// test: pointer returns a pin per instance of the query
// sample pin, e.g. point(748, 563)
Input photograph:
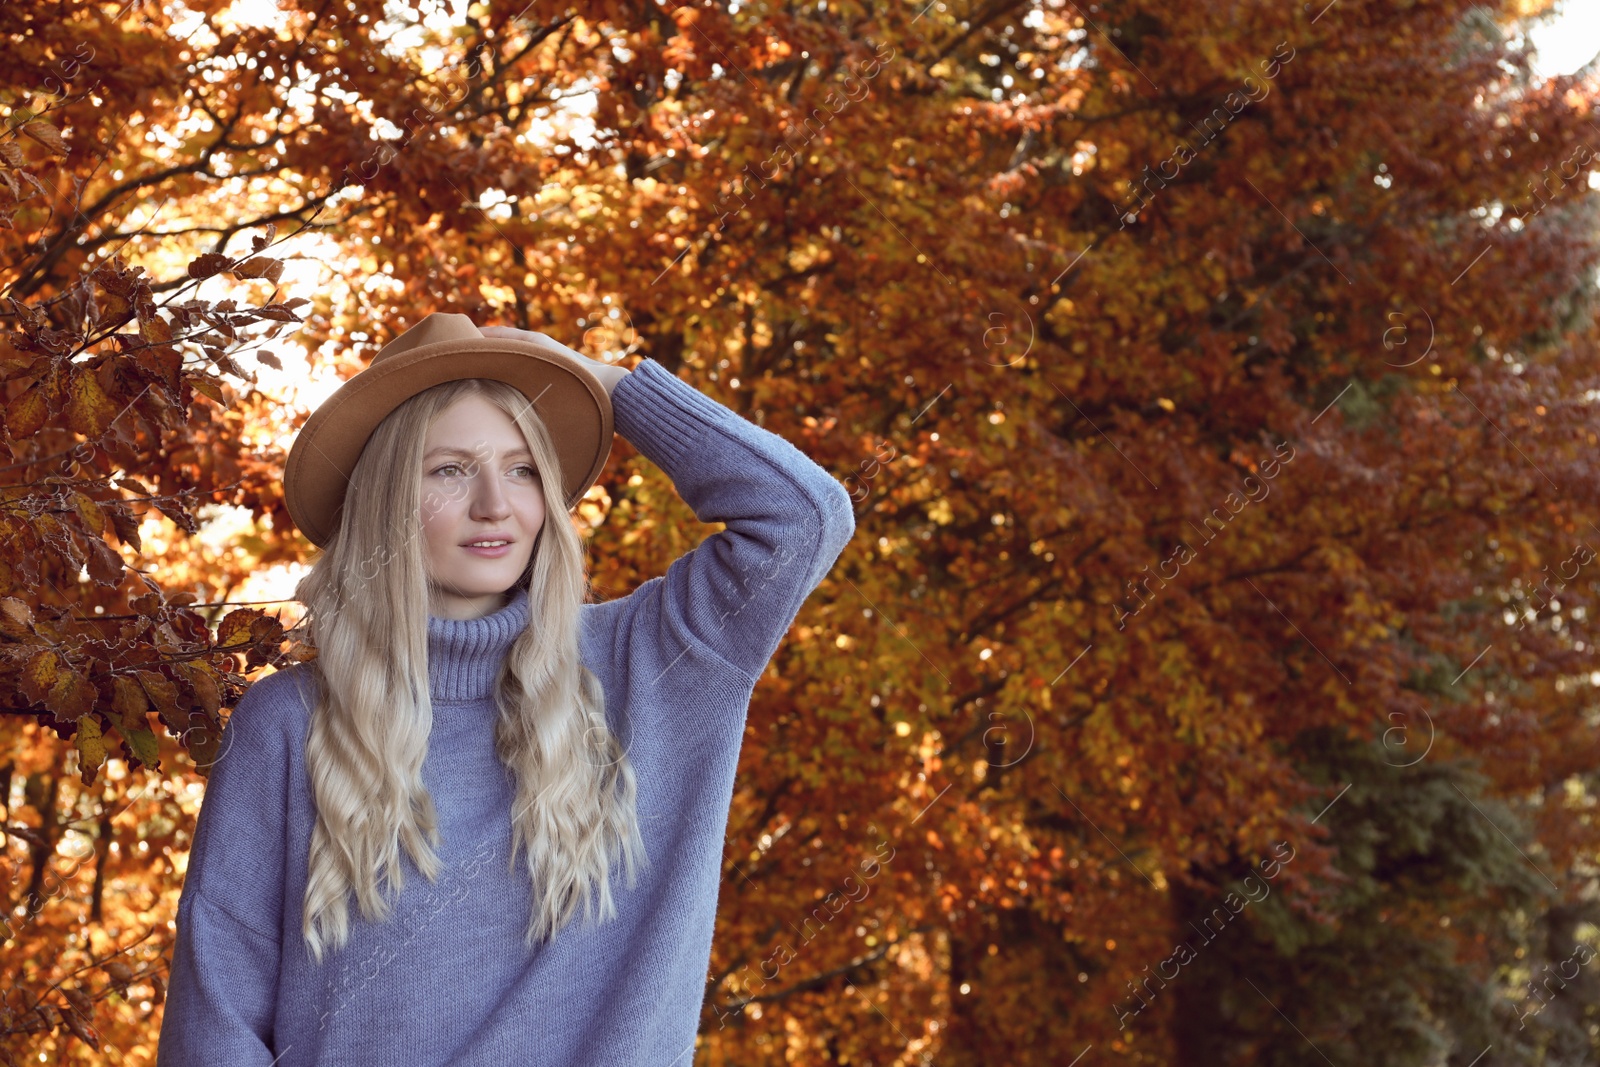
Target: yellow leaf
point(208, 386)
point(27, 413)
point(89, 511)
point(234, 630)
point(89, 410)
point(91, 747)
point(39, 676)
point(129, 701)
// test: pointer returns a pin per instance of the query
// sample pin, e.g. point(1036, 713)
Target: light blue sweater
point(446, 981)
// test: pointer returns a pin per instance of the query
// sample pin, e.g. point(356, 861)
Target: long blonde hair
point(575, 806)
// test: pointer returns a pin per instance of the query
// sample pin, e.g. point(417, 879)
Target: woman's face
point(478, 483)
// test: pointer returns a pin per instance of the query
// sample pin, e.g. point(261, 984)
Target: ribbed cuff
point(661, 415)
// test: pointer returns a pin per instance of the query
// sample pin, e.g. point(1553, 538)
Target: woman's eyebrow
point(446, 450)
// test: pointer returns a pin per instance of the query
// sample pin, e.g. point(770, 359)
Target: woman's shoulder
point(279, 700)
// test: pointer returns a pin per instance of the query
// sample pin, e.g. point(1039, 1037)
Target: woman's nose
point(489, 497)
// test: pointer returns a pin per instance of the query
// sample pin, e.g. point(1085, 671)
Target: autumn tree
point(1211, 380)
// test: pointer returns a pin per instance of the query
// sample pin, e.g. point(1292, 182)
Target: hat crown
point(434, 328)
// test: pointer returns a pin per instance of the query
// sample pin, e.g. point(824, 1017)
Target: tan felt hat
point(444, 347)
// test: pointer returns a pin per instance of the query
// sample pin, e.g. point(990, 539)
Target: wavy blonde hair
point(575, 808)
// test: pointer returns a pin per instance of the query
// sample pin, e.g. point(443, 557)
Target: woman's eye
point(532, 471)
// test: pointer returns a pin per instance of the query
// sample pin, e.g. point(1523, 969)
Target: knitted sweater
point(447, 981)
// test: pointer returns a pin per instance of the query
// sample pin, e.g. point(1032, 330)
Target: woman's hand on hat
point(608, 374)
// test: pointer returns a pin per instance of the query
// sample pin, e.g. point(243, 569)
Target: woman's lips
point(489, 553)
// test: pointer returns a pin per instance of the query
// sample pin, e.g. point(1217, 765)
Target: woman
point(478, 751)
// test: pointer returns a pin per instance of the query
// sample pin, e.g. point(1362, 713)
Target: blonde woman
point(484, 825)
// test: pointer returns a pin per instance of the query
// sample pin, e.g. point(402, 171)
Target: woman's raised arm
point(788, 520)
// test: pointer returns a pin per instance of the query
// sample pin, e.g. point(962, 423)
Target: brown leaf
point(57, 539)
point(174, 510)
point(209, 264)
point(259, 267)
point(80, 1002)
point(152, 327)
point(16, 618)
point(126, 526)
point(204, 684)
point(106, 565)
point(48, 136)
point(73, 696)
point(203, 740)
point(161, 690)
point(83, 1030)
point(165, 363)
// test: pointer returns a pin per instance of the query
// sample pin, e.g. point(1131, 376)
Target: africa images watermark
point(1579, 159)
point(1531, 611)
point(1578, 949)
point(1232, 905)
point(1234, 103)
point(450, 890)
point(823, 914)
point(1184, 554)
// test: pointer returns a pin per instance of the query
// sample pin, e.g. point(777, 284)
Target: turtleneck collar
point(465, 655)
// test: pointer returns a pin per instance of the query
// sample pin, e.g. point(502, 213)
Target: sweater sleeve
point(787, 519)
point(223, 982)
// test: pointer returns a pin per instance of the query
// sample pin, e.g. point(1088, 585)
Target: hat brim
point(572, 402)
